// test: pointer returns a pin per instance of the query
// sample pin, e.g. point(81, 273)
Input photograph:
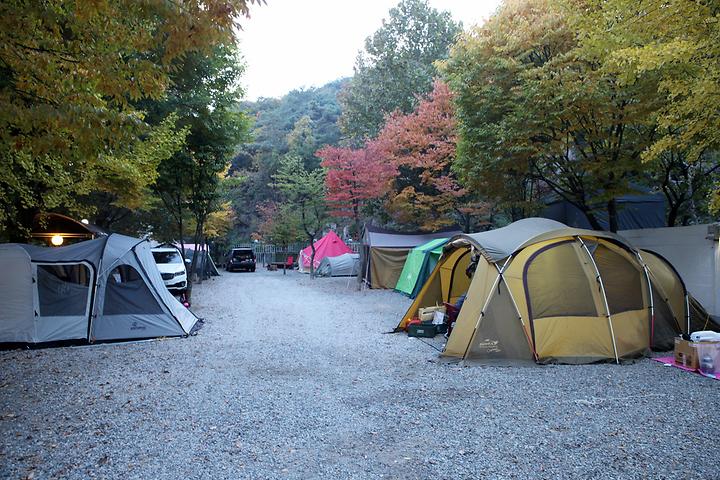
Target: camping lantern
point(56, 240)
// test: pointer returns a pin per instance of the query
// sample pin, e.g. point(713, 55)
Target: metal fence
point(266, 253)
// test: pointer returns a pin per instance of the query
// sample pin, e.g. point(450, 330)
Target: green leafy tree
point(274, 121)
point(675, 45)
point(304, 191)
point(396, 66)
point(69, 72)
point(125, 185)
point(301, 142)
point(281, 223)
point(555, 118)
point(204, 96)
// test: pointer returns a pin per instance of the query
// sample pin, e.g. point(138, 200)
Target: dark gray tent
point(383, 253)
point(205, 263)
point(345, 265)
point(103, 289)
point(645, 210)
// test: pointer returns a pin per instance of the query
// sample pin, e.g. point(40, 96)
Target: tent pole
point(487, 302)
point(604, 296)
point(650, 293)
point(366, 281)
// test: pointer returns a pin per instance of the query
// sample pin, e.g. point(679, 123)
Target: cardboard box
point(686, 354)
point(428, 313)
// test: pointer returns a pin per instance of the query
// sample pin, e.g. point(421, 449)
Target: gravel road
point(295, 378)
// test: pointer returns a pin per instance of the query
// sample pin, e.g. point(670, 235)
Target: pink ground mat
point(671, 361)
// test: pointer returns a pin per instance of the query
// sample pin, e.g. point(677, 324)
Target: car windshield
point(242, 254)
point(167, 257)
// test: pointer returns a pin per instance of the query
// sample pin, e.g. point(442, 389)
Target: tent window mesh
point(127, 294)
point(622, 281)
point(557, 285)
point(63, 290)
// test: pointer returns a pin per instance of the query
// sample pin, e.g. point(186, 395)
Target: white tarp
point(694, 251)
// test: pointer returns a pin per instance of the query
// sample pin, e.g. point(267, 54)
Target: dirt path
point(294, 378)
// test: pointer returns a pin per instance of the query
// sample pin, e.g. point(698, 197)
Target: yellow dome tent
point(546, 292)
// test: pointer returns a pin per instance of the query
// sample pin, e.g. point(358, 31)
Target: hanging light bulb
point(57, 240)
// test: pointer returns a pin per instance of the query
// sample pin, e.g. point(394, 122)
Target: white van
point(172, 268)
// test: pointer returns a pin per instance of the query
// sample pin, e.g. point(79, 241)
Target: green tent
point(419, 264)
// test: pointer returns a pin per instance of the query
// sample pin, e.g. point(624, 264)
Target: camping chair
point(288, 264)
point(451, 314)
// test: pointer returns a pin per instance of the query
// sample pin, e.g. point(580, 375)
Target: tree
point(686, 184)
point(555, 115)
point(421, 147)
point(204, 95)
point(301, 142)
point(354, 177)
point(274, 120)
point(396, 66)
point(675, 44)
point(68, 77)
point(125, 184)
point(305, 192)
point(280, 223)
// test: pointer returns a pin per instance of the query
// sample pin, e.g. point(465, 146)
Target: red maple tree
point(354, 176)
point(408, 167)
point(421, 146)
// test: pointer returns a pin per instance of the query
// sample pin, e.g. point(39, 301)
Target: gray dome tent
point(345, 265)
point(103, 289)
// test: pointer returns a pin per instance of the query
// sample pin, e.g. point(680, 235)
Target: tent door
point(500, 337)
point(62, 298)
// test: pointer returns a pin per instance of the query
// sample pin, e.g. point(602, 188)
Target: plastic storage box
point(423, 330)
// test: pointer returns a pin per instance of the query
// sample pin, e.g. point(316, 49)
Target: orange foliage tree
point(421, 147)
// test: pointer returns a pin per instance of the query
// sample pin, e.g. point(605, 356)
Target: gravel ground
point(294, 378)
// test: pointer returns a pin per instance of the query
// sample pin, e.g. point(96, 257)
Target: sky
point(293, 44)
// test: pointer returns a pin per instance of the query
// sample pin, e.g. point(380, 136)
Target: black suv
point(241, 259)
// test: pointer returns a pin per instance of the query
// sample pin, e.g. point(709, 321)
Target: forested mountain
point(307, 117)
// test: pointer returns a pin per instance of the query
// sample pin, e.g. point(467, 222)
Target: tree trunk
point(203, 261)
point(673, 213)
point(181, 231)
point(194, 262)
point(356, 214)
point(594, 223)
point(312, 256)
point(468, 220)
point(612, 215)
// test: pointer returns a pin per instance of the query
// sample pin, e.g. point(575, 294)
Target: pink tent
point(328, 246)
